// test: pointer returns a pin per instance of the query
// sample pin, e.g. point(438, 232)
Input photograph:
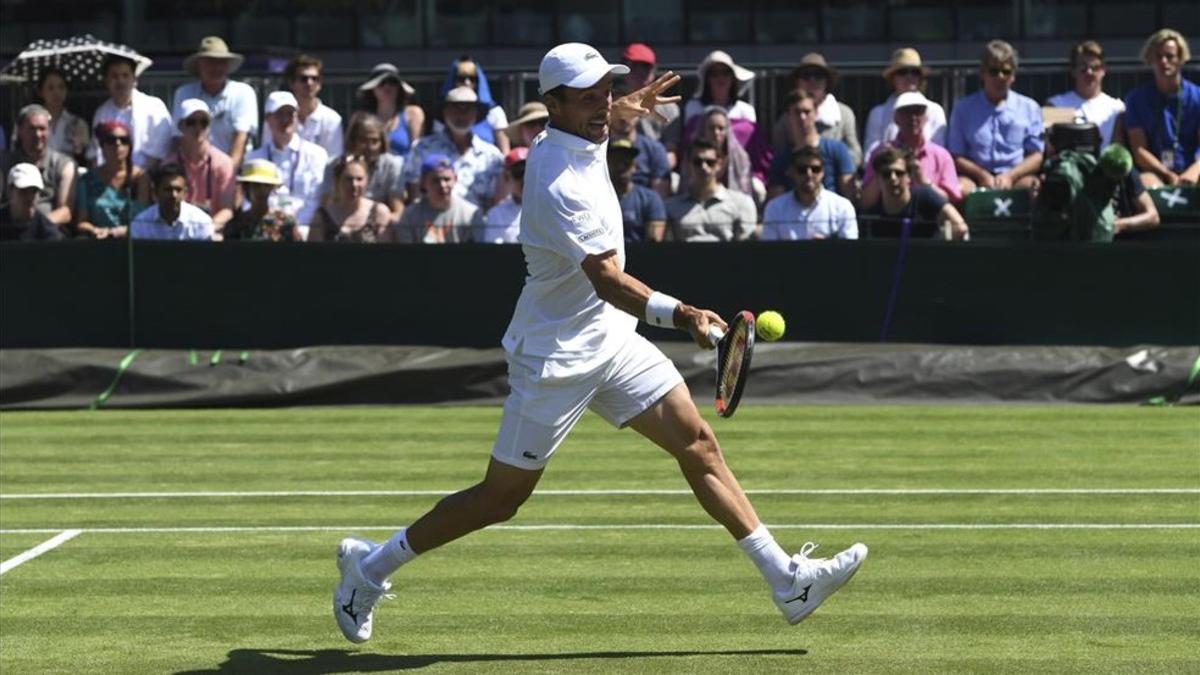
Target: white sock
point(768, 557)
point(379, 564)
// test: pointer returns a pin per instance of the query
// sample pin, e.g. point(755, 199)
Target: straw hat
point(815, 61)
point(530, 112)
point(213, 47)
point(261, 171)
point(905, 57)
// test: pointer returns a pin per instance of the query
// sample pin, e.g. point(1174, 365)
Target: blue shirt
point(1160, 117)
point(651, 162)
point(996, 137)
point(640, 206)
point(835, 157)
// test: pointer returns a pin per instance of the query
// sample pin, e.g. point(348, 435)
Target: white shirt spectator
point(570, 211)
point(831, 216)
point(149, 123)
point(477, 168)
point(502, 224)
point(302, 166)
point(323, 127)
point(1102, 111)
point(881, 125)
point(234, 109)
point(192, 224)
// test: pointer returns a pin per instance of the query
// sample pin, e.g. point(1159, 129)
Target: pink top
point(937, 168)
point(212, 175)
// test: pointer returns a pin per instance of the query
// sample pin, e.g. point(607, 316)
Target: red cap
point(640, 53)
point(517, 154)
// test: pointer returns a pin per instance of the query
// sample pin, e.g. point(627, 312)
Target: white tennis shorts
point(540, 411)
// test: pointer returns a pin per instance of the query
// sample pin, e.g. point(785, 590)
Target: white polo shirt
point(191, 224)
point(302, 167)
point(569, 211)
point(233, 109)
point(149, 122)
point(323, 127)
point(831, 216)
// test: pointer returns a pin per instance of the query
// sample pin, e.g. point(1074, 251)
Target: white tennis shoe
point(815, 579)
point(354, 597)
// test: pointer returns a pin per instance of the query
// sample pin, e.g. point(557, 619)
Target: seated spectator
point(800, 113)
point(68, 133)
point(904, 74)
point(208, 171)
point(439, 216)
point(318, 123)
point(172, 217)
point(642, 209)
point(389, 99)
point(1088, 99)
point(350, 215)
point(466, 72)
point(107, 198)
point(665, 125)
point(20, 218)
point(260, 221)
point(477, 163)
point(146, 117)
point(905, 202)
point(1163, 117)
point(385, 171)
point(531, 121)
point(1135, 209)
point(996, 134)
point(835, 120)
point(652, 169)
point(724, 83)
point(301, 162)
point(734, 170)
point(937, 166)
point(502, 223)
point(709, 211)
point(58, 170)
point(233, 105)
point(808, 211)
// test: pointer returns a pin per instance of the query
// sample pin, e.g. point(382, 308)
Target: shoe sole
point(812, 609)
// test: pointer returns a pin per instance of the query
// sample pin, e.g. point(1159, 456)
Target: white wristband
point(660, 310)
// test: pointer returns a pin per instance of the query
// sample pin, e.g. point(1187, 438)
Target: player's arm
point(628, 294)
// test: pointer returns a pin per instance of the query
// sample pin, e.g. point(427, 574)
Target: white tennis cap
point(575, 65)
point(911, 99)
point(280, 99)
point(25, 175)
point(192, 106)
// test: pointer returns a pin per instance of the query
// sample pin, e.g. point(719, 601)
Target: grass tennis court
point(1048, 539)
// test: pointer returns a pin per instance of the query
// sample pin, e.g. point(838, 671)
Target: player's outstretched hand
point(644, 101)
point(696, 322)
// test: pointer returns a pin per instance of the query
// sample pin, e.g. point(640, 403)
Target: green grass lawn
point(179, 582)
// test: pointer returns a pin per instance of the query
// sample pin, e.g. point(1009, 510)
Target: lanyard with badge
point(283, 198)
point(1168, 155)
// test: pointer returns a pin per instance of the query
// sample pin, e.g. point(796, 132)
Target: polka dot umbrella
point(79, 58)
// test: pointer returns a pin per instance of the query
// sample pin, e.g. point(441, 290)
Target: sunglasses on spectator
point(466, 78)
point(116, 140)
point(894, 172)
point(201, 122)
point(1088, 68)
point(307, 78)
point(914, 72)
point(704, 161)
point(810, 168)
point(811, 75)
point(1001, 71)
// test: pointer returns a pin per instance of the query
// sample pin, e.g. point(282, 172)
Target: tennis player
point(572, 346)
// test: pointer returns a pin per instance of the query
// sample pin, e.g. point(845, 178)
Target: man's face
point(212, 71)
point(259, 192)
point(306, 83)
point(1089, 73)
point(460, 117)
point(119, 81)
point(1166, 59)
point(283, 122)
point(716, 129)
point(911, 123)
point(813, 81)
point(530, 130)
point(195, 127)
point(22, 201)
point(704, 163)
point(620, 166)
point(640, 74)
point(438, 186)
point(807, 174)
point(802, 118)
point(467, 75)
point(583, 112)
point(907, 79)
point(622, 127)
point(998, 78)
point(896, 179)
point(170, 195)
point(33, 133)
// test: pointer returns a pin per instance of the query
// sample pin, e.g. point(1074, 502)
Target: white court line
point(48, 545)
point(599, 493)
point(635, 526)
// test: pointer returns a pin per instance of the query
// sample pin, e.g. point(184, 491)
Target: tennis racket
point(734, 349)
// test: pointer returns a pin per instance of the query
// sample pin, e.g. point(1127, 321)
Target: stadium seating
point(998, 214)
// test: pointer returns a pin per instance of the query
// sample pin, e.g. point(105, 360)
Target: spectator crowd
point(215, 164)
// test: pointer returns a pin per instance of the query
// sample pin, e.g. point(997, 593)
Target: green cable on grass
point(121, 368)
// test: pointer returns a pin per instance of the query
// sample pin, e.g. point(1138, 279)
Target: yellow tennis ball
point(769, 325)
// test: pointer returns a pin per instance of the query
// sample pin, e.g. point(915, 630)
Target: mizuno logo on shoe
point(348, 608)
point(529, 455)
point(803, 597)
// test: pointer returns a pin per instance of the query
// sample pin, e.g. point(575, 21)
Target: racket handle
point(715, 334)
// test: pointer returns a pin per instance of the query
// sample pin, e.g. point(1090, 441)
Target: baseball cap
point(623, 145)
point(911, 99)
point(190, 107)
point(435, 161)
point(25, 175)
point(462, 95)
point(638, 52)
point(279, 99)
point(516, 156)
point(575, 65)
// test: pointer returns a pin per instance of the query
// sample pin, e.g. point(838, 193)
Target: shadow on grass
point(320, 661)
